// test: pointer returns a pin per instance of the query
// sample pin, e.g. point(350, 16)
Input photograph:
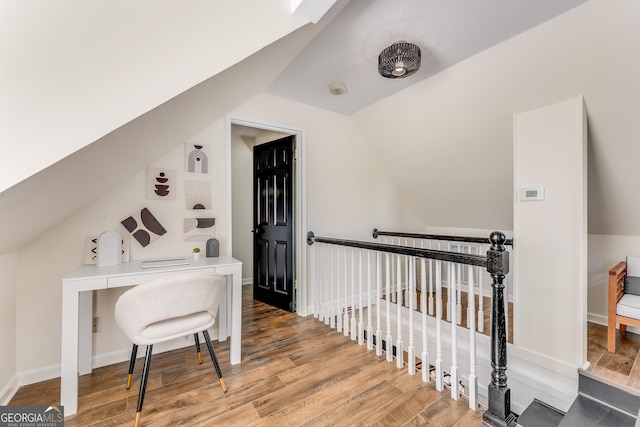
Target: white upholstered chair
point(166, 309)
point(624, 298)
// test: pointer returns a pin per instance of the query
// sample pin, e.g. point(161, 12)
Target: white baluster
point(404, 293)
point(449, 289)
point(411, 291)
point(454, 342)
point(472, 393)
point(431, 309)
point(369, 306)
point(323, 290)
point(431, 287)
point(480, 302)
point(439, 373)
point(339, 286)
point(423, 307)
point(360, 328)
point(331, 318)
point(345, 310)
point(314, 274)
point(399, 345)
point(388, 341)
point(354, 330)
point(459, 290)
point(326, 267)
point(378, 304)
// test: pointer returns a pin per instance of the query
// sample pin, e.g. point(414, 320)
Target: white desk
point(77, 314)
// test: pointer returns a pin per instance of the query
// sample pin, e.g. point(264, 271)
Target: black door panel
point(273, 223)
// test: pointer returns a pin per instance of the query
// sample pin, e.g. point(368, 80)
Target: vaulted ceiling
point(81, 81)
point(447, 33)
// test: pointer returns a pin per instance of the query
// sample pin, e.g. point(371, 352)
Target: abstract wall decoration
point(161, 184)
point(197, 194)
point(197, 157)
point(144, 227)
point(91, 249)
point(196, 229)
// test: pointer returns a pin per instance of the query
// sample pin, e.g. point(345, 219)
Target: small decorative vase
point(196, 255)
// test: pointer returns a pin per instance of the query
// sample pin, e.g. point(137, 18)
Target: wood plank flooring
point(623, 367)
point(294, 372)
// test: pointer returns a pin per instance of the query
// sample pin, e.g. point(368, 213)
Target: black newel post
point(499, 412)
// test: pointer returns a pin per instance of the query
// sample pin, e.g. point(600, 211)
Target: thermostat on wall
point(533, 193)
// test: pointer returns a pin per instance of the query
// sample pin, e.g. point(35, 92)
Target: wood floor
point(294, 371)
point(623, 367)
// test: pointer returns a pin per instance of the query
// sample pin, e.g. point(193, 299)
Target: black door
point(273, 248)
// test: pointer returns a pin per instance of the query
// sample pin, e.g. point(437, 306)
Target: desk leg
point(236, 316)
point(69, 357)
point(223, 313)
point(85, 333)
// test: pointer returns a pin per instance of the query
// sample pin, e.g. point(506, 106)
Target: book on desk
point(164, 262)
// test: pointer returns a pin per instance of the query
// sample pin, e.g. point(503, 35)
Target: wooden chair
point(624, 298)
point(165, 309)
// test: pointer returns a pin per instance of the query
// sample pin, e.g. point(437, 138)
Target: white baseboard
point(98, 361)
point(38, 375)
point(247, 281)
point(125, 354)
point(597, 318)
point(9, 390)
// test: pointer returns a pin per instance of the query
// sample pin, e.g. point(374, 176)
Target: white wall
point(454, 145)
point(550, 235)
point(242, 201)
point(349, 192)
point(341, 172)
point(61, 249)
point(449, 137)
point(8, 378)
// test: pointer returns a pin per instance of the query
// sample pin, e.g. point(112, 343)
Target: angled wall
point(74, 71)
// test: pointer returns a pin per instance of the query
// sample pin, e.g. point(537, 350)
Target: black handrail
point(460, 258)
point(497, 265)
point(465, 239)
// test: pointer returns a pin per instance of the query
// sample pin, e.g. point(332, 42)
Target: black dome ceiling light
point(399, 60)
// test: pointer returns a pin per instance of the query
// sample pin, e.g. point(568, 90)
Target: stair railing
point(393, 268)
point(464, 244)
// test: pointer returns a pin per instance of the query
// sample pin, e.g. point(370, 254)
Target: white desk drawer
point(136, 279)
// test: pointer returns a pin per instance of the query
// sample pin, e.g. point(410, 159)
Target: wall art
point(161, 184)
point(144, 227)
point(197, 194)
point(197, 158)
point(196, 229)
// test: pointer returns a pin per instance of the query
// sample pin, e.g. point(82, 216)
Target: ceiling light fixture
point(399, 60)
point(337, 88)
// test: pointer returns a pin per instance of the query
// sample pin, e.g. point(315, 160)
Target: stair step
point(585, 412)
point(540, 414)
point(600, 402)
point(622, 397)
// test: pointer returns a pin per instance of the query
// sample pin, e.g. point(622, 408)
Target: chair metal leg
point(214, 359)
point(132, 364)
point(198, 348)
point(143, 383)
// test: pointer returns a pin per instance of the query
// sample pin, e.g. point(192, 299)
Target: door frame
point(300, 229)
